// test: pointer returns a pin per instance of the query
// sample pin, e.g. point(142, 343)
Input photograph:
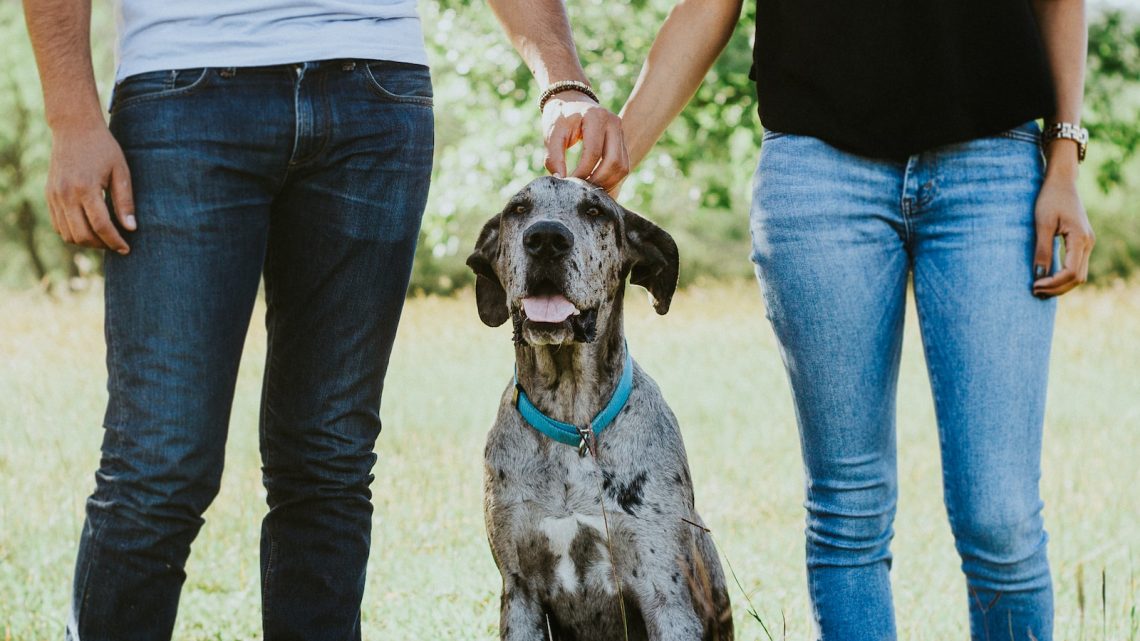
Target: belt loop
point(228, 72)
point(348, 65)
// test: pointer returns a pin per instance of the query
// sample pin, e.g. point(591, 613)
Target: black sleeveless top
point(890, 78)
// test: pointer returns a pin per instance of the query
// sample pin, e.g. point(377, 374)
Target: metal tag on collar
point(588, 443)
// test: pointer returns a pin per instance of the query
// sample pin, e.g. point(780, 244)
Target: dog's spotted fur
point(544, 520)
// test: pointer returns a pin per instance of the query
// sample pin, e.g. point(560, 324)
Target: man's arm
point(85, 159)
point(1059, 208)
point(540, 32)
point(688, 43)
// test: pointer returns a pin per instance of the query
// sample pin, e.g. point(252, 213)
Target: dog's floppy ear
point(652, 259)
point(490, 297)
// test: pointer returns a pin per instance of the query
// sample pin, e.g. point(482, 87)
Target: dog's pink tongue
point(548, 309)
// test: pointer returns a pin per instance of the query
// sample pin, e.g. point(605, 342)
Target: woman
point(900, 144)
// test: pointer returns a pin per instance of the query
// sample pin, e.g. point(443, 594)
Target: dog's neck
point(573, 382)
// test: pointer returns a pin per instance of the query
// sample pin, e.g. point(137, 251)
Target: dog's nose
point(547, 239)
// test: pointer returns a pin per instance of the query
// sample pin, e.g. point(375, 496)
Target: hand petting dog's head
point(556, 258)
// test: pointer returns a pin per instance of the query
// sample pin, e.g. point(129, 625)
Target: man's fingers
point(79, 230)
point(556, 154)
point(53, 212)
point(123, 197)
point(104, 231)
point(593, 144)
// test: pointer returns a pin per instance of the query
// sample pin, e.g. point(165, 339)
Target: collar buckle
point(589, 443)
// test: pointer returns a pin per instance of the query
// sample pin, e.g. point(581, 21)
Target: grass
point(431, 574)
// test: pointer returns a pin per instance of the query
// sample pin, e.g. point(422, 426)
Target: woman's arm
point(540, 32)
point(688, 43)
point(1059, 208)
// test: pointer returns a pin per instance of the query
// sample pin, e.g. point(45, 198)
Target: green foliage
point(31, 250)
point(1112, 94)
point(489, 144)
point(696, 182)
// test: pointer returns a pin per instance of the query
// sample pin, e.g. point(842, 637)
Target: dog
point(587, 495)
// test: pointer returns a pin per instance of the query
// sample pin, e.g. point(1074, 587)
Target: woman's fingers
point(1075, 271)
point(614, 165)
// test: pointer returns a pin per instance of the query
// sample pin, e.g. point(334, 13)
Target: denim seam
point(266, 581)
point(906, 204)
point(934, 387)
point(325, 135)
point(120, 105)
point(96, 528)
point(1024, 136)
point(380, 91)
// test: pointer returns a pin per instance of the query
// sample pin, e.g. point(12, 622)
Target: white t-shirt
point(156, 35)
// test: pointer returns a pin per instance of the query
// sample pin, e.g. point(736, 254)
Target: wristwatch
point(1068, 131)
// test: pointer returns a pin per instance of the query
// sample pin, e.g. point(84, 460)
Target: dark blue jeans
point(314, 175)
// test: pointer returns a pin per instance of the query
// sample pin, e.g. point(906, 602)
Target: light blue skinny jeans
point(835, 238)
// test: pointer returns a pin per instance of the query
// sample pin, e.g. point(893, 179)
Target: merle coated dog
point(604, 536)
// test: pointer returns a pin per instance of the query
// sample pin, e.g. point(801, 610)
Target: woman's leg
point(987, 348)
point(828, 244)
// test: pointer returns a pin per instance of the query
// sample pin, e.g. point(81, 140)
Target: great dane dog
point(594, 537)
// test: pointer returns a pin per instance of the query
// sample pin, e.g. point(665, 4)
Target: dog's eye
point(519, 209)
point(593, 211)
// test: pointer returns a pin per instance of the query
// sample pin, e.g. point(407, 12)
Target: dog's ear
point(490, 297)
point(652, 259)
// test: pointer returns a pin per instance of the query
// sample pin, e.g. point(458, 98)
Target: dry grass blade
point(1103, 605)
point(1081, 601)
point(613, 560)
point(752, 612)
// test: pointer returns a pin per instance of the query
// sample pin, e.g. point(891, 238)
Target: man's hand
point(86, 162)
point(570, 117)
point(1060, 213)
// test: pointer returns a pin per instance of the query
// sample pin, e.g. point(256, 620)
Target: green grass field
point(431, 574)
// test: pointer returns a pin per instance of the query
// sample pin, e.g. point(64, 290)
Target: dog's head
point(556, 257)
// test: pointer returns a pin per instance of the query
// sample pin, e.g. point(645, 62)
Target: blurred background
point(431, 575)
point(696, 182)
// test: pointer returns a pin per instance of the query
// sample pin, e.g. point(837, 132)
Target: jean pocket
point(1028, 132)
point(771, 134)
point(400, 82)
point(154, 85)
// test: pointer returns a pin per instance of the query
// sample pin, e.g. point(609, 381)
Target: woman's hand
point(570, 117)
point(1060, 213)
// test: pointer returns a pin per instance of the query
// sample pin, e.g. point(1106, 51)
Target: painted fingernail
point(1039, 271)
point(131, 222)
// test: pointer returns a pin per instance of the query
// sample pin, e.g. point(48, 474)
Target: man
point(285, 140)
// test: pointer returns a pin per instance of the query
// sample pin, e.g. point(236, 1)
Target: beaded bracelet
point(565, 85)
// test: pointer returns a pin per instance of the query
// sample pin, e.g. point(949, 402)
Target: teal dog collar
point(569, 434)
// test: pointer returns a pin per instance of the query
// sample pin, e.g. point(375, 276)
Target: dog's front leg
point(521, 618)
point(675, 621)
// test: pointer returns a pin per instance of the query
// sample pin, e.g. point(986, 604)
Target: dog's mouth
point(550, 318)
point(548, 309)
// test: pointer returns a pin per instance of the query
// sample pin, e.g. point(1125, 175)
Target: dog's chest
point(561, 533)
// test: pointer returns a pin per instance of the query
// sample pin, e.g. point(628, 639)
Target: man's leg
point(830, 252)
point(987, 343)
point(342, 238)
point(177, 310)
